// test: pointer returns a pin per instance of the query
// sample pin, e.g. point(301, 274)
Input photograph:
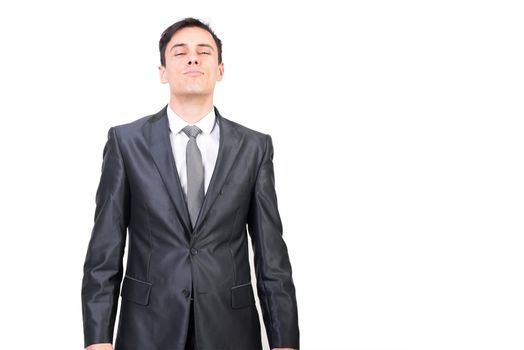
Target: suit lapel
point(228, 149)
point(156, 133)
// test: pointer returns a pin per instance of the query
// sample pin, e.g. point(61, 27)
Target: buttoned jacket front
point(140, 203)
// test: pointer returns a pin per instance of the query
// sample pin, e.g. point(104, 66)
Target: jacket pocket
point(136, 290)
point(242, 296)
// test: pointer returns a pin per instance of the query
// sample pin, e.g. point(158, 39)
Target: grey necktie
point(195, 173)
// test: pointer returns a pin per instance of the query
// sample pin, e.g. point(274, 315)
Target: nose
point(192, 59)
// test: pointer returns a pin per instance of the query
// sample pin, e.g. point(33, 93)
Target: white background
point(398, 133)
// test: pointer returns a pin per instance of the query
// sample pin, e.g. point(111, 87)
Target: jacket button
point(194, 251)
point(186, 293)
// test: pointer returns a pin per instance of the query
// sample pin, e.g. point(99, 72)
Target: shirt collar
point(176, 123)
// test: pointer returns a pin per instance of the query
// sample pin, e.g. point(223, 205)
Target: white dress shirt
point(207, 142)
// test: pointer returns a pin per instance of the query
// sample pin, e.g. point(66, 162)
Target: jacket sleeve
point(275, 287)
point(103, 266)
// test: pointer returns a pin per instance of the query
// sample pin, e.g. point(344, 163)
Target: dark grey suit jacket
point(140, 193)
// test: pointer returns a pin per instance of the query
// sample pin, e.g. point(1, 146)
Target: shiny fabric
point(140, 202)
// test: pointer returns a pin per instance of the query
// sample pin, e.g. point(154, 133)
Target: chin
point(194, 92)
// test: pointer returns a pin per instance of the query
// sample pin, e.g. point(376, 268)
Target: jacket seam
point(150, 241)
point(135, 279)
point(269, 311)
point(261, 162)
point(241, 285)
point(229, 247)
point(124, 220)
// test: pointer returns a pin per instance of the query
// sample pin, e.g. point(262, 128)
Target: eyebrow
point(199, 45)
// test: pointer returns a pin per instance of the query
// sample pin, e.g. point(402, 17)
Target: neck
point(191, 108)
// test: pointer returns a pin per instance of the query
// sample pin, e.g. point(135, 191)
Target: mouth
point(194, 73)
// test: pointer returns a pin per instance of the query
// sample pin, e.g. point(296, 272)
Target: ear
point(162, 73)
point(220, 71)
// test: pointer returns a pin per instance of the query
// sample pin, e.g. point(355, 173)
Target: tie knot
point(191, 130)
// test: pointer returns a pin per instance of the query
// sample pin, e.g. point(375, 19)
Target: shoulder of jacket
point(134, 127)
point(249, 133)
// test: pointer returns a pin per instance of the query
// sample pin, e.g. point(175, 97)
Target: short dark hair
point(186, 23)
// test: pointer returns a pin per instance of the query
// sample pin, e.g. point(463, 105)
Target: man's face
point(192, 67)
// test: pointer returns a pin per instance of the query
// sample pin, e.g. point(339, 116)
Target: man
point(185, 182)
